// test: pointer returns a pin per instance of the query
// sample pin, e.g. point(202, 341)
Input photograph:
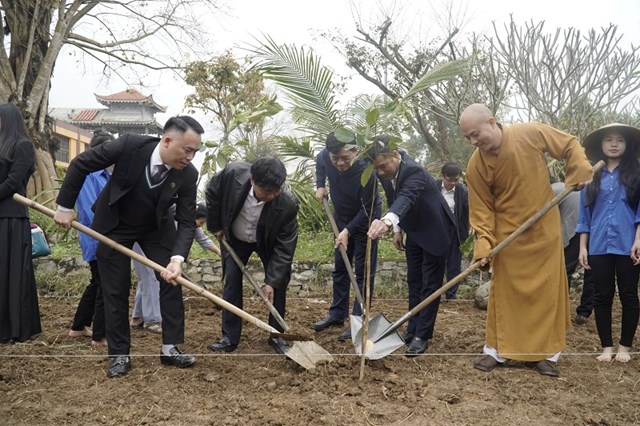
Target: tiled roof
point(130, 96)
point(126, 95)
point(85, 115)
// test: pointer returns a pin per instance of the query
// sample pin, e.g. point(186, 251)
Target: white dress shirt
point(245, 226)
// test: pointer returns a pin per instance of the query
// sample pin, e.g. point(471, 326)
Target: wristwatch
point(387, 222)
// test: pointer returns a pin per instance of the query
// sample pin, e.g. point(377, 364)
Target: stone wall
point(307, 277)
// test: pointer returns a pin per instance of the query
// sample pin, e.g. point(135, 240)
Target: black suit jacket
point(420, 206)
point(14, 177)
point(130, 155)
point(461, 211)
point(226, 194)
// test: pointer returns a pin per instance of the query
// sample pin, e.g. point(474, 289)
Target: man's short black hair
point(269, 173)
point(183, 123)
point(334, 146)
point(451, 170)
point(379, 146)
point(100, 137)
point(201, 211)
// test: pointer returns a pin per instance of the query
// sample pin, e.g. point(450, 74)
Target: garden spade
point(254, 284)
point(385, 341)
point(304, 352)
point(345, 256)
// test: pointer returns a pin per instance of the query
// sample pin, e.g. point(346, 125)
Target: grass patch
point(59, 286)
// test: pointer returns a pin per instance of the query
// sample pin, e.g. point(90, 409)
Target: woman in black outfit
point(19, 313)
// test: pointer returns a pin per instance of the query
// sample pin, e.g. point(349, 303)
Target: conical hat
point(593, 142)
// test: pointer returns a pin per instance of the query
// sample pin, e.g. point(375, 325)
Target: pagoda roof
point(92, 117)
point(129, 96)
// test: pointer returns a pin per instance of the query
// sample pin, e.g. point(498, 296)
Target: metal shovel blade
point(307, 354)
point(378, 325)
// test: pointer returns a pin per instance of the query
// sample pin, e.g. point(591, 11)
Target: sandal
point(153, 327)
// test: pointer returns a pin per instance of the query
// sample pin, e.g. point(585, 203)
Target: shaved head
point(479, 127)
point(478, 111)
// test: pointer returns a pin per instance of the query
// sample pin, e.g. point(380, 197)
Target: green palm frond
point(438, 73)
point(308, 85)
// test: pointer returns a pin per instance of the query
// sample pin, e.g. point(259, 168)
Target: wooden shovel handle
point(254, 284)
point(151, 264)
point(345, 256)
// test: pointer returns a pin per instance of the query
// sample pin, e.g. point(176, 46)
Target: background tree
point(236, 98)
point(567, 79)
point(116, 33)
point(393, 63)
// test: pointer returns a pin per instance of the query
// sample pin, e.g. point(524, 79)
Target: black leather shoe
point(327, 322)
point(408, 337)
point(119, 366)
point(223, 345)
point(279, 344)
point(417, 347)
point(177, 358)
point(345, 335)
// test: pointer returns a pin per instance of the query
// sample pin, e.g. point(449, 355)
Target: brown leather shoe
point(486, 363)
point(547, 368)
point(580, 320)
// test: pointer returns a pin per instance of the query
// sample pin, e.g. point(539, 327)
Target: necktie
point(157, 174)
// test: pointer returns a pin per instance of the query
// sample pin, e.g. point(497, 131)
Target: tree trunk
point(42, 183)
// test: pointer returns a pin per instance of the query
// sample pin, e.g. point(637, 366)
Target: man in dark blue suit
point(150, 174)
point(416, 207)
point(355, 205)
point(457, 198)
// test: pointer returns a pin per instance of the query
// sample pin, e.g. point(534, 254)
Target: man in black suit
point(249, 207)
point(417, 208)
point(150, 174)
point(457, 198)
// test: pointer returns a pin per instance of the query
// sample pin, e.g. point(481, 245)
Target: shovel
point(382, 339)
point(307, 354)
point(255, 285)
point(380, 321)
point(345, 256)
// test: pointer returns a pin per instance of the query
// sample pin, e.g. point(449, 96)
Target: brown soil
point(55, 379)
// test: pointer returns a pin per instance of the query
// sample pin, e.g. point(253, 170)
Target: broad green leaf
point(372, 116)
point(366, 175)
point(343, 135)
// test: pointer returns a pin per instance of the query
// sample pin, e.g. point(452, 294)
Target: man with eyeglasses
point(249, 207)
point(457, 198)
point(355, 206)
point(150, 174)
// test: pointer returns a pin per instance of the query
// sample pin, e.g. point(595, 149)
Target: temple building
point(126, 112)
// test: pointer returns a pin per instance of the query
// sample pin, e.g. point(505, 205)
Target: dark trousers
point(425, 273)
point(571, 253)
point(115, 273)
point(607, 269)
point(454, 258)
point(91, 306)
point(341, 284)
point(232, 293)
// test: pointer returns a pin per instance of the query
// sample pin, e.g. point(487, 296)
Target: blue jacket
point(351, 200)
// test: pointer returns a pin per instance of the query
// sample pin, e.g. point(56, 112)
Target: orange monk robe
point(528, 311)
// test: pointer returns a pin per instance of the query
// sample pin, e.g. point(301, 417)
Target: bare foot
point(623, 354)
point(99, 343)
point(85, 332)
point(607, 354)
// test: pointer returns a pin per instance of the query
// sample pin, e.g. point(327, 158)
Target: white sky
point(299, 21)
